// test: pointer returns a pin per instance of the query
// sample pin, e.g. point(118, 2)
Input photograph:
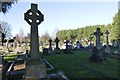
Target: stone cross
point(91, 39)
point(78, 45)
point(66, 44)
point(34, 17)
point(50, 44)
point(107, 42)
point(98, 33)
point(57, 42)
point(107, 50)
point(35, 68)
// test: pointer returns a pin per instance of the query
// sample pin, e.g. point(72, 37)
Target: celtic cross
point(34, 17)
point(98, 33)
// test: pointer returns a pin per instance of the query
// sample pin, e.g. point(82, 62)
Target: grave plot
point(16, 70)
point(48, 65)
point(35, 67)
point(3, 69)
point(12, 67)
point(79, 66)
point(54, 76)
point(83, 64)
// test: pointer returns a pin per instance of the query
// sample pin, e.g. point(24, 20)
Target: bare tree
point(5, 28)
point(5, 6)
point(45, 37)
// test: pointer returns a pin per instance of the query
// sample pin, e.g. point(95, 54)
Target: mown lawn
point(73, 65)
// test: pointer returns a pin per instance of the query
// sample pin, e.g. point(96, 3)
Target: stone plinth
point(35, 70)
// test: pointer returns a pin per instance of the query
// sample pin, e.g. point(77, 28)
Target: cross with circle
point(34, 17)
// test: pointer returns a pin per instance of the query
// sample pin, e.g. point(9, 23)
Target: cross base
point(35, 56)
point(35, 70)
point(107, 50)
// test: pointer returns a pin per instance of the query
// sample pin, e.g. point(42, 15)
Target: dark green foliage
point(7, 5)
point(116, 26)
point(81, 32)
point(85, 32)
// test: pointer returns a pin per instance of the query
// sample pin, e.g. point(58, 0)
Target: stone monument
point(57, 42)
point(91, 37)
point(66, 42)
point(35, 68)
point(118, 50)
point(98, 34)
point(78, 45)
point(98, 51)
point(50, 44)
point(107, 49)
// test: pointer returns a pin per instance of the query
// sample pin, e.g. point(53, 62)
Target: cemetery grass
point(74, 65)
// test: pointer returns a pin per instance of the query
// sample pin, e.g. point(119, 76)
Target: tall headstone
point(35, 68)
point(66, 42)
point(91, 37)
point(50, 44)
point(107, 49)
point(57, 42)
point(78, 45)
point(98, 33)
point(119, 46)
point(98, 51)
point(34, 17)
point(114, 43)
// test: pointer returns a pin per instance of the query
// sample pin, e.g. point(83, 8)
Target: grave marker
point(91, 37)
point(57, 42)
point(98, 33)
point(107, 49)
point(35, 68)
point(34, 17)
point(78, 45)
point(50, 44)
point(66, 42)
point(98, 50)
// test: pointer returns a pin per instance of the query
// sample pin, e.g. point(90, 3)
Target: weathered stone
point(78, 45)
point(34, 17)
point(57, 42)
point(45, 51)
point(91, 37)
point(98, 51)
point(35, 68)
point(50, 44)
point(98, 34)
point(66, 42)
point(107, 49)
point(98, 55)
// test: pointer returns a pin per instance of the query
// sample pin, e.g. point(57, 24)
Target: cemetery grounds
point(78, 65)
